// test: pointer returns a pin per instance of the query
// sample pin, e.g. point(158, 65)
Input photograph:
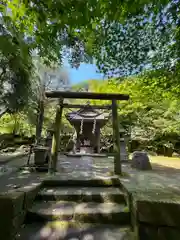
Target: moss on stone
point(157, 209)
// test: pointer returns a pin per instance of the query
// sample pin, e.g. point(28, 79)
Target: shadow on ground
point(164, 169)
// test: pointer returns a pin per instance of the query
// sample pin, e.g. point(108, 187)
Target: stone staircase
point(73, 210)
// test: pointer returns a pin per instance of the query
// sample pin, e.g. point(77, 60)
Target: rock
point(8, 150)
point(23, 148)
point(140, 160)
point(175, 154)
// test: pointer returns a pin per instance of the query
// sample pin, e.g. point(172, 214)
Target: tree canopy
point(148, 40)
point(75, 28)
point(124, 38)
point(15, 67)
point(152, 115)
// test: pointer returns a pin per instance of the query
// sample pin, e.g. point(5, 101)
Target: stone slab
point(78, 155)
point(81, 181)
point(157, 209)
point(109, 213)
point(18, 221)
point(84, 194)
point(18, 180)
point(11, 204)
point(167, 233)
point(144, 232)
point(74, 230)
point(61, 210)
point(9, 222)
point(16, 192)
point(6, 158)
point(27, 184)
point(30, 192)
point(150, 181)
point(84, 212)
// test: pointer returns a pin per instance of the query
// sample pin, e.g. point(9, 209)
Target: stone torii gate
point(86, 95)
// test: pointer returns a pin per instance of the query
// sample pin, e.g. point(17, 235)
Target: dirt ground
point(168, 165)
point(166, 161)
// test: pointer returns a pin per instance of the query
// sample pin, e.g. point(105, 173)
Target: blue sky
point(84, 72)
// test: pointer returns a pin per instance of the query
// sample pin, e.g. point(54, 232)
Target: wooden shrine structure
point(87, 122)
point(86, 95)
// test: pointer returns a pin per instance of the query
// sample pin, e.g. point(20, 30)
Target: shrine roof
point(87, 112)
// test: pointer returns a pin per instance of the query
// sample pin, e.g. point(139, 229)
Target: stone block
point(134, 222)
point(11, 204)
point(41, 155)
point(168, 233)
point(144, 232)
point(30, 192)
point(6, 230)
point(83, 182)
point(10, 227)
point(158, 213)
point(18, 221)
point(17, 180)
point(109, 213)
point(140, 161)
point(11, 214)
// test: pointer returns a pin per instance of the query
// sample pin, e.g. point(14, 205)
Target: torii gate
point(86, 95)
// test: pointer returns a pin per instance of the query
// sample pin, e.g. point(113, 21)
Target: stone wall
point(155, 216)
point(17, 194)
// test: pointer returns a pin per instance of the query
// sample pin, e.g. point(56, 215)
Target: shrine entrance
point(87, 123)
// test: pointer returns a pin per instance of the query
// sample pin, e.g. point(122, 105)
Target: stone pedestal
point(41, 155)
point(155, 215)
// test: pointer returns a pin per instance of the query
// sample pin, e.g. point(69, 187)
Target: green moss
point(126, 209)
point(63, 224)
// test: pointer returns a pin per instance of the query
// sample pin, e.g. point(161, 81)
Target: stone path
point(6, 158)
point(69, 210)
point(11, 162)
point(160, 179)
point(86, 168)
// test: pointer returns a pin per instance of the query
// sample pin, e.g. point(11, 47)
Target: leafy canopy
point(148, 40)
point(124, 37)
point(54, 26)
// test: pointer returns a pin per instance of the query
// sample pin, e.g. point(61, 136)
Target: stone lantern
point(123, 144)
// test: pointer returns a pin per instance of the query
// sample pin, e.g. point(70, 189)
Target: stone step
point(109, 213)
point(73, 230)
point(83, 194)
point(84, 182)
point(80, 154)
